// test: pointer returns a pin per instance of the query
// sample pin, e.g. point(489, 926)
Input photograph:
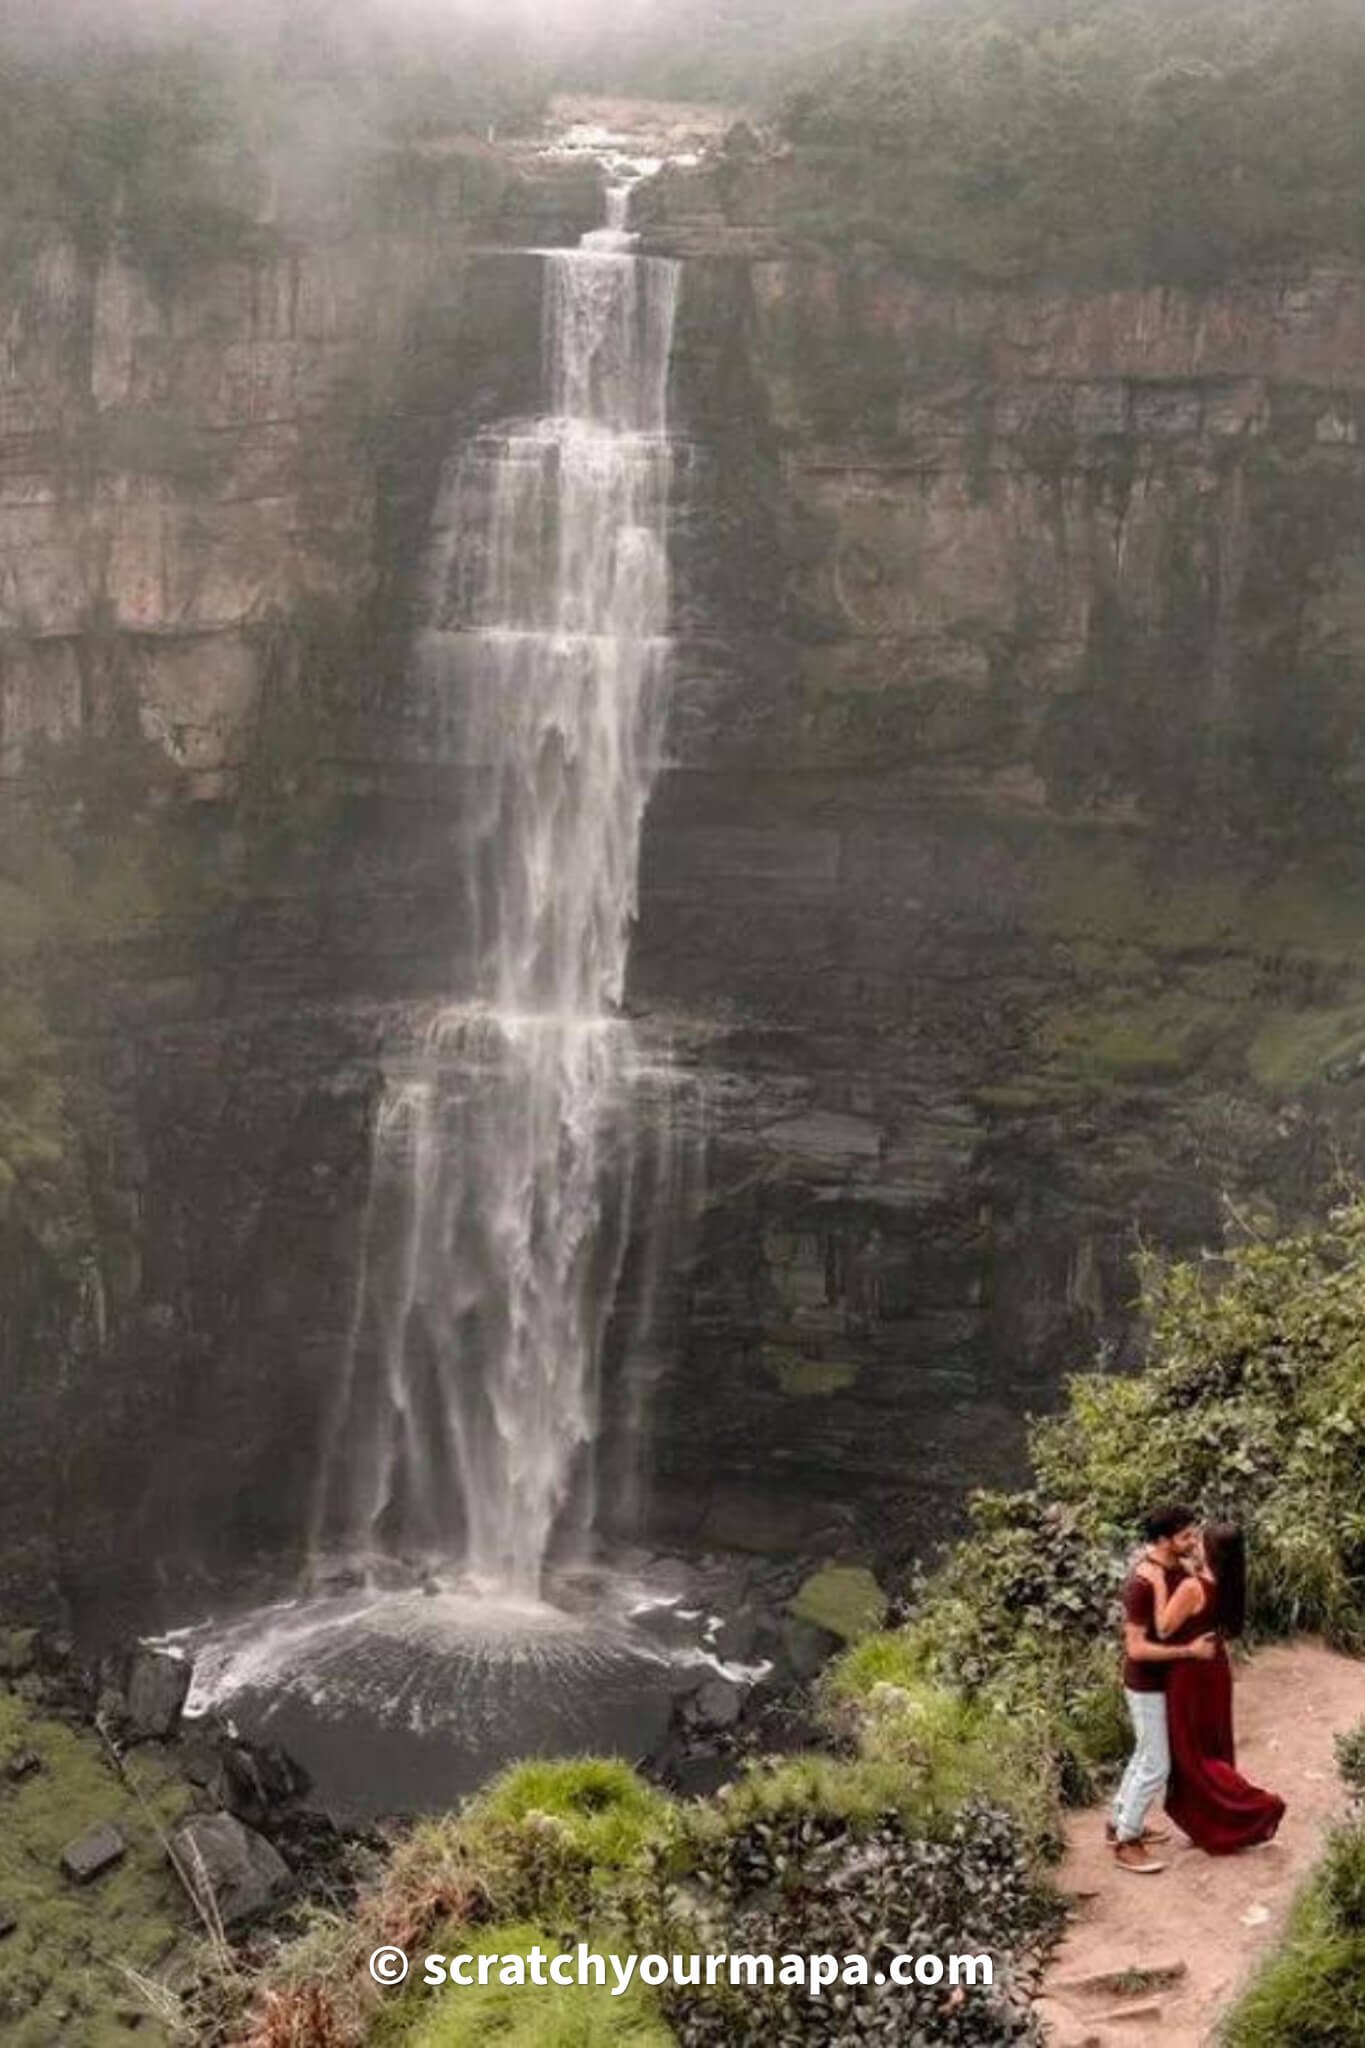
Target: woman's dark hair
point(1161, 1523)
point(1225, 1554)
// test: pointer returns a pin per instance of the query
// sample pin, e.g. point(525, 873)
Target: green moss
point(844, 1599)
point(60, 1976)
point(520, 2015)
point(808, 1378)
point(16, 1650)
point(1296, 1047)
point(1018, 1098)
point(1144, 1041)
point(609, 1812)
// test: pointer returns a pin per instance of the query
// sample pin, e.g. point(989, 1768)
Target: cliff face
point(1001, 887)
point(1012, 838)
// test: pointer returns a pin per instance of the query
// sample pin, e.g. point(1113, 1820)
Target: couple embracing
point(1183, 1600)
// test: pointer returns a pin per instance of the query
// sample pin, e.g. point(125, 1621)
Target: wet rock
point(233, 1872)
point(718, 1704)
point(256, 1781)
point(157, 1687)
point(737, 1637)
point(54, 1652)
point(697, 1777)
point(94, 1852)
point(806, 1649)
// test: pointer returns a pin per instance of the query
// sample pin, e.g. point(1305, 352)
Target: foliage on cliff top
point(202, 141)
point(1112, 141)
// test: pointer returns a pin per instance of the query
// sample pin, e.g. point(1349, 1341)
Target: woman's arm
point(1174, 1609)
point(1171, 1609)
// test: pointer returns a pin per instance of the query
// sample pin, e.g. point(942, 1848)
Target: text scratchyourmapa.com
point(816, 1974)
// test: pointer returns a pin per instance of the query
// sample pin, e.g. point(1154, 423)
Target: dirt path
point(1199, 1931)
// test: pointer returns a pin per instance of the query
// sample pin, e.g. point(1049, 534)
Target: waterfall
point(512, 1152)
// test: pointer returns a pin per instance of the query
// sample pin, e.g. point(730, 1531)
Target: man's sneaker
point(1111, 1834)
point(1134, 1857)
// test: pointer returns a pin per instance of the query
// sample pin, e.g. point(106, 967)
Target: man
point(1170, 1534)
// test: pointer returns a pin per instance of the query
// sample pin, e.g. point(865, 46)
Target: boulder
point(718, 1704)
point(89, 1855)
point(233, 1872)
point(737, 1637)
point(157, 1687)
point(806, 1649)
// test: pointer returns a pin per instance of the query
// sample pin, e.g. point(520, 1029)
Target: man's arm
point(1143, 1651)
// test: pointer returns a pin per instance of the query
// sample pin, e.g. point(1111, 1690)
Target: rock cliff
point(1002, 886)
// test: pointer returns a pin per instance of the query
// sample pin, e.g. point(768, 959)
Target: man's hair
point(1159, 1524)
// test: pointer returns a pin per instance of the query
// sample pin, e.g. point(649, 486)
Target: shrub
point(1351, 1761)
point(1253, 1406)
point(814, 1884)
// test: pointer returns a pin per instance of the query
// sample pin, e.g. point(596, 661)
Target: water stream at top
point(508, 1155)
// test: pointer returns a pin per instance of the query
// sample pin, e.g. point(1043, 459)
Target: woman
point(1208, 1798)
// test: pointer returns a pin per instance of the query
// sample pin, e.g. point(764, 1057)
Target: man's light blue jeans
point(1149, 1767)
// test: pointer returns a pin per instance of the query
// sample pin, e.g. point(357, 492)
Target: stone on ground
point(234, 1872)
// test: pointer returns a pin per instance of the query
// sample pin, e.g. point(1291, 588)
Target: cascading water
point(525, 1175)
point(505, 1156)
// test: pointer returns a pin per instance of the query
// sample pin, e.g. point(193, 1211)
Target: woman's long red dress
point(1208, 1798)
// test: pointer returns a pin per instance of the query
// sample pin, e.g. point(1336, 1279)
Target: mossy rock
point(62, 1967)
point(521, 2014)
point(1295, 1048)
point(807, 1379)
point(844, 1600)
point(1144, 1041)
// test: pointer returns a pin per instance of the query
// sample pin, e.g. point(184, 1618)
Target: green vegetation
point(955, 1740)
point(1109, 141)
point(62, 1968)
point(605, 1811)
point(845, 1600)
point(1253, 1406)
point(1312, 1992)
point(523, 2015)
point(133, 149)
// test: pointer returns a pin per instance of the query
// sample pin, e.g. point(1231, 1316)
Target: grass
point(1311, 1993)
point(607, 1811)
point(61, 1969)
point(520, 2015)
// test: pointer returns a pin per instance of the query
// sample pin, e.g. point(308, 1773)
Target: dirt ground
point(1199, 1931)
